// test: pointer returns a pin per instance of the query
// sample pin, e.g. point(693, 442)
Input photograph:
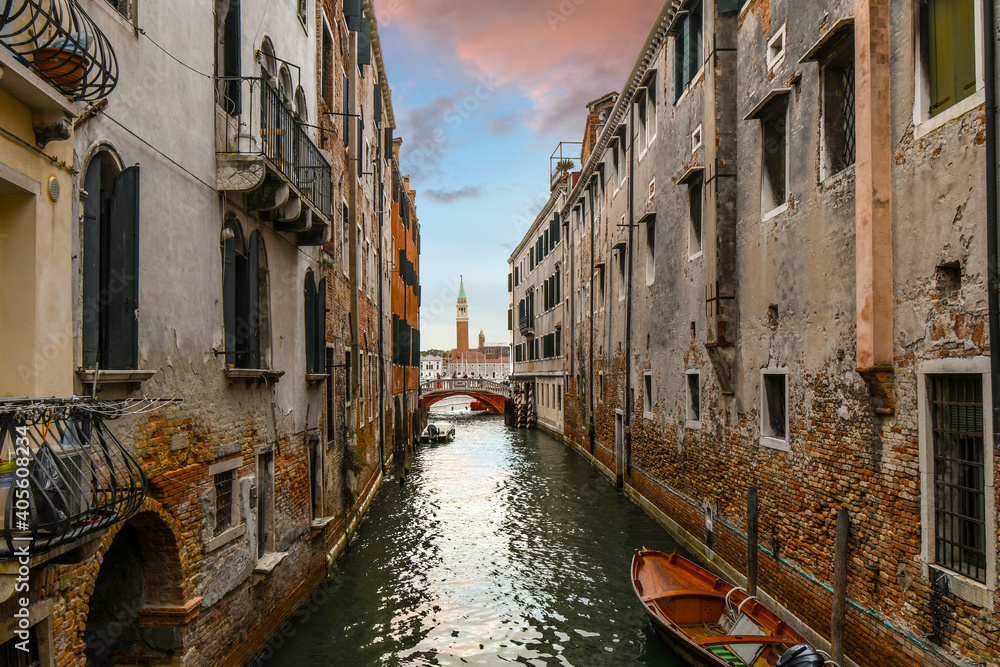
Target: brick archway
point(137, 603)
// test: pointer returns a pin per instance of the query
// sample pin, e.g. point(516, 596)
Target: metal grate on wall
point(959, 474)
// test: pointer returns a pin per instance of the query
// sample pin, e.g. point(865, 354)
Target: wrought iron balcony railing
point(259, 121)
point(526, 324)
point(62, 44)
point(63, 475)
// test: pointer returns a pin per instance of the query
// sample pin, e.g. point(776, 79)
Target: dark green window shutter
point(352, 8)
point(120, 326)
point(730, 5)
point(346, 110)
point(378, 105)
point(253, 283)
point(510, 319)
point(309, 297)
point(231, 65)
point(365, 42)
point(320, 353)
point(229, 292)
point(678, 64)
point(92, 264)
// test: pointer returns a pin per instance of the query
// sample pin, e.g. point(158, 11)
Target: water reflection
point(502, 546)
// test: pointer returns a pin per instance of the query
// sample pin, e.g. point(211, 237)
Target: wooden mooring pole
point(752, 541)
point(840, 557)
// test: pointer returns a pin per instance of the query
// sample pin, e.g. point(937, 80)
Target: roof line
point(543, 214)
point(380, 64)
point(651, 45)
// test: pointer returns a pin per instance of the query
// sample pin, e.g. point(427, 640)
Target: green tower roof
point(461, 288)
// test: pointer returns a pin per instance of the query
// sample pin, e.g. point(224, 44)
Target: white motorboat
point(438, 432)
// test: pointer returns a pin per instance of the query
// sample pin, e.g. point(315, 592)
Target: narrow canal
point(502, 546)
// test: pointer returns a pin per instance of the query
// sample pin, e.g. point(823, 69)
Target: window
point(774, 139)
point(301, 105)
point(330, 414)
point(301, 10)
point(695, 217)
point(346, 240)
point(345, 108)
point(123, 7)
point(948, 36)
point(245, 298)
point(224, 501)
point(837, 144)
point(600, 387)
point(110, 322)
point(641, 110)
point(774, 408)
point(227, 56)
point(687, 50)
point(601, 291)
point(957, 485)
point(651, 110)
point(621, 273)
point(650, 252)
point(696, 139)
point(693, 399)
point(315, 314)
point(327, 61)
point(647, 395)
point(316, 477)
point(956, 406)
point(776, 48)
point(13, 656)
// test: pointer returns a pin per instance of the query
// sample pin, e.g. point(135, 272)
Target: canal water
point(502, 546)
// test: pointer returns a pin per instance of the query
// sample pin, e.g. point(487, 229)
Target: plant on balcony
point(563, 166)
point(64, 62)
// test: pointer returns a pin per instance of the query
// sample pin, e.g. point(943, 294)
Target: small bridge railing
point(461, 386)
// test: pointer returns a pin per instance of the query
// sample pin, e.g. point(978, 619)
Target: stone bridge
point(489, 393)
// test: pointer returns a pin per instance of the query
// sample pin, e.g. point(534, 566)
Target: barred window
point(838, 109)
point(224, 501)
point(959, 474)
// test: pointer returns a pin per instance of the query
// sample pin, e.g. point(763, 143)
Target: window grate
point(959, 474)
point(849, 114)
point(223, 501)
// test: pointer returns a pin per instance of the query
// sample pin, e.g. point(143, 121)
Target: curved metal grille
point(61, 43)
point(63, 475)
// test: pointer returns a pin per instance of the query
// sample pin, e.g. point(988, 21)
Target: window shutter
point(231, 65)
point(729, 5)
point(121, 325)
point(253, 283)
point(320, 326)
point(378, 105)
point(365, 42)
point(310, 308)
point(229, 296)
point(346, 110)
point(92, 264)
point(689, 50)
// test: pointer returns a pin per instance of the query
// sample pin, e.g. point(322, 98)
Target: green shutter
point(92, 264)
point(729, 5)
point(229, 292)
point(365, 43)
point(309, 299)
point(347, 110)
point(320, 353)
point(253, 283)
point(120, 325)
point(378, 105)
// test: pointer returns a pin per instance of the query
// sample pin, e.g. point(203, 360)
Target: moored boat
point(708, 621)
point(438, 432)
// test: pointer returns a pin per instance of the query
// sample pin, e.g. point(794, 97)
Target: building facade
point(230, 248)
point(536, 279)
point(778, 281)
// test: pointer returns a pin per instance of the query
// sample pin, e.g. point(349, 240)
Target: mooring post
point(840, 585)
point(752, 541)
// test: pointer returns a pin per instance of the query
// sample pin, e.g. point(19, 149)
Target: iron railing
point(259, 122)
point(526, 324)
point(62, 44)
point(63, 475)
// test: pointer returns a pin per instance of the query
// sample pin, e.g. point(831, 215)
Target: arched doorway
point(140, 571)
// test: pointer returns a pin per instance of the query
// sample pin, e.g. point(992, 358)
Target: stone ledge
point(226, 537)
point(87, 376)
point(266, 565)
point(171, 615)
point(313, 378)
point(318, 525)
point(266, 375)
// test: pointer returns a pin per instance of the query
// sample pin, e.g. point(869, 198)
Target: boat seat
point(744, 638)
point(685, 593)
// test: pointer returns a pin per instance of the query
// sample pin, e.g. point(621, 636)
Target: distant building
point(487, 361)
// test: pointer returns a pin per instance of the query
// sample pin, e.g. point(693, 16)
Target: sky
point(483, 91)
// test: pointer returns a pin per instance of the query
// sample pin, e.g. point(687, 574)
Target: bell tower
point(462, 319)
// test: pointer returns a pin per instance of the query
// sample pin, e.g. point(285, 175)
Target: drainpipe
point(989, 71)
point(628, 303)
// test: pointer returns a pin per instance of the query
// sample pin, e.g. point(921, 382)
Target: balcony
point(526, 324)
point(264, 151)
point(64, 477)
point(59, 42)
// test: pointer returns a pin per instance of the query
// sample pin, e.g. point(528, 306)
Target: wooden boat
point(438, 432)
point(705, 619)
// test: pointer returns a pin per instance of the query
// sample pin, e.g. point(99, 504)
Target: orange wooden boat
point(707, 620)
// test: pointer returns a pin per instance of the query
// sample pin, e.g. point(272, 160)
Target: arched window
point(285, 87)
point(315, 311)
point(301, 105)
point(268, 64)
point(110, 333)
point(245, 298)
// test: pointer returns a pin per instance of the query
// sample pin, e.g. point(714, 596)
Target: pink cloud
point(561, 54)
